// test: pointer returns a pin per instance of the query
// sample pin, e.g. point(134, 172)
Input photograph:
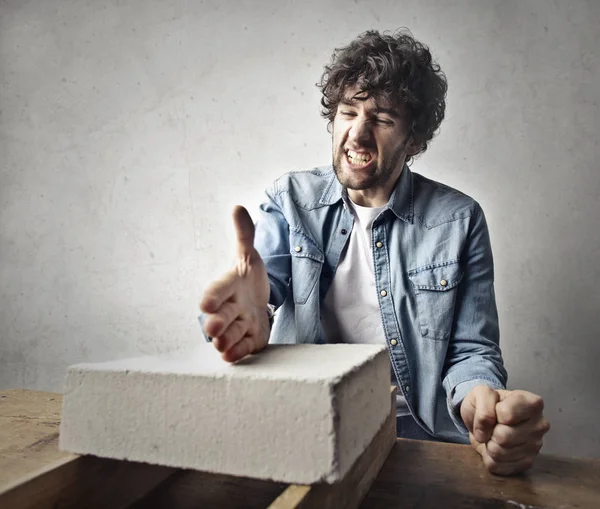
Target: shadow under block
point(293, 413)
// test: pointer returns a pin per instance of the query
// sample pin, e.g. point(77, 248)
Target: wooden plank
point(94, 483)
point(29, 423)
point(189, 489)
point(422, 475)
point(34, 473)
point(350, 491)
point(292, 497)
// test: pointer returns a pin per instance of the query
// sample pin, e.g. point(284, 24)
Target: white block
point(292, 413)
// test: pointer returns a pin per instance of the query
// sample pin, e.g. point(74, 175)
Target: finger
point(218, 292)
point(479, 447)
point(217, 323)
point(244, 229)
point(484, 420)
point(506, 468)
point(518, 406)
point(233, 335)
point(502, 454)
point(242, 348)
point(513, 436)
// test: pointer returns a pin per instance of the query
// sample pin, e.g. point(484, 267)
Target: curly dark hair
point(393, 67)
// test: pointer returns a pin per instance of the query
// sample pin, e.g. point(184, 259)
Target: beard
point(377, 176)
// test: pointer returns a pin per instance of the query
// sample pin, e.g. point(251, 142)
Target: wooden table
point(415, 475)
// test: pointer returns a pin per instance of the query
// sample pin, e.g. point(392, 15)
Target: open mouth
point(359, 160)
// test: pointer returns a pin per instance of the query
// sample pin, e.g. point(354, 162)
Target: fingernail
point(479, 435)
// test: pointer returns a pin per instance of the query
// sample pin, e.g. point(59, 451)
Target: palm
point(254, 284)
point(254, 281)
point(236, 305)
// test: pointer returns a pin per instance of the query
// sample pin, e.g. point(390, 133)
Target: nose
point(360, 131)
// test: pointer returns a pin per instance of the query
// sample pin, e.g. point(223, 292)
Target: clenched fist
point(505, 427)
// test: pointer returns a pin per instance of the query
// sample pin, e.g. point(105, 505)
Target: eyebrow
point(351, 101)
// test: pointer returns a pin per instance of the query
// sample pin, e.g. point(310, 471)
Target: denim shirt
point(434, 275)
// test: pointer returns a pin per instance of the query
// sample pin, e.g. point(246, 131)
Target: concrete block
point(292, 413)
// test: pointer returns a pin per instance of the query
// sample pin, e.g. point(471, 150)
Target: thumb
point(244, 231)
point(478, 412)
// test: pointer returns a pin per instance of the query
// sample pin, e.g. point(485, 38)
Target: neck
point(375, 197)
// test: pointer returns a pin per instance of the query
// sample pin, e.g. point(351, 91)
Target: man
point(365, 250)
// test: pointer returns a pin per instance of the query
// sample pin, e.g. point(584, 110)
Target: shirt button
point(344, 231)
point(297, 249)
point(407, 388)
point(379, 244)
point(443, 282)
point(394, 342)
point(383, 293)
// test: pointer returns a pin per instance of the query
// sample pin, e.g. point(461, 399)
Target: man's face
point(370, 143)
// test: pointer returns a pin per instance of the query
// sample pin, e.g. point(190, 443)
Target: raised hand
point(236, 304)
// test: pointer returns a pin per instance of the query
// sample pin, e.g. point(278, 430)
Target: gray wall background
point(128, 130)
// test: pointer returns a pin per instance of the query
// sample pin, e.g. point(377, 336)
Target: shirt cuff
point(459, 393)
point(206, 336)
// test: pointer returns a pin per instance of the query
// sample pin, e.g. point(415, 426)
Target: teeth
point(355, 157)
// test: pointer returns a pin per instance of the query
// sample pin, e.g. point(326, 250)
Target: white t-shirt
point(351, 308)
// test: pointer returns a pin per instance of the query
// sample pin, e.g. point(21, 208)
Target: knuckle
point(537, 403)
point(213, 326)
point(504, 414)
point(501, 437)
point(490, 463)
point(495, 452)
point(208, 302)
point(527, 463)
point(486, 419)
point(218, 344)
point(217, 323)
point(541, 428)
point(545, 426)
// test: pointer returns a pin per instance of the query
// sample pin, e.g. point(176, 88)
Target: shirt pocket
point(435, 288)
point(307, 262)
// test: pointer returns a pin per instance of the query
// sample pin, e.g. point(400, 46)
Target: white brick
point(293, 413)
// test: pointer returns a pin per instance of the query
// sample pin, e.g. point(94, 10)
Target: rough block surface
point(292, 413)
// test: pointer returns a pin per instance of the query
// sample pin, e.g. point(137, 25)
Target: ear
point(413, 148)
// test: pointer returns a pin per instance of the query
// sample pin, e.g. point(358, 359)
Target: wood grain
point(189, 489)
point(34, 473)
point(424, 475)
point(29, 422)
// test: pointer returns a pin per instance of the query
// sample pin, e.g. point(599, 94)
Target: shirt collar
point(401, 199)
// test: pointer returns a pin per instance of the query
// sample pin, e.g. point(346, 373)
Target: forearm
point(474, 356)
